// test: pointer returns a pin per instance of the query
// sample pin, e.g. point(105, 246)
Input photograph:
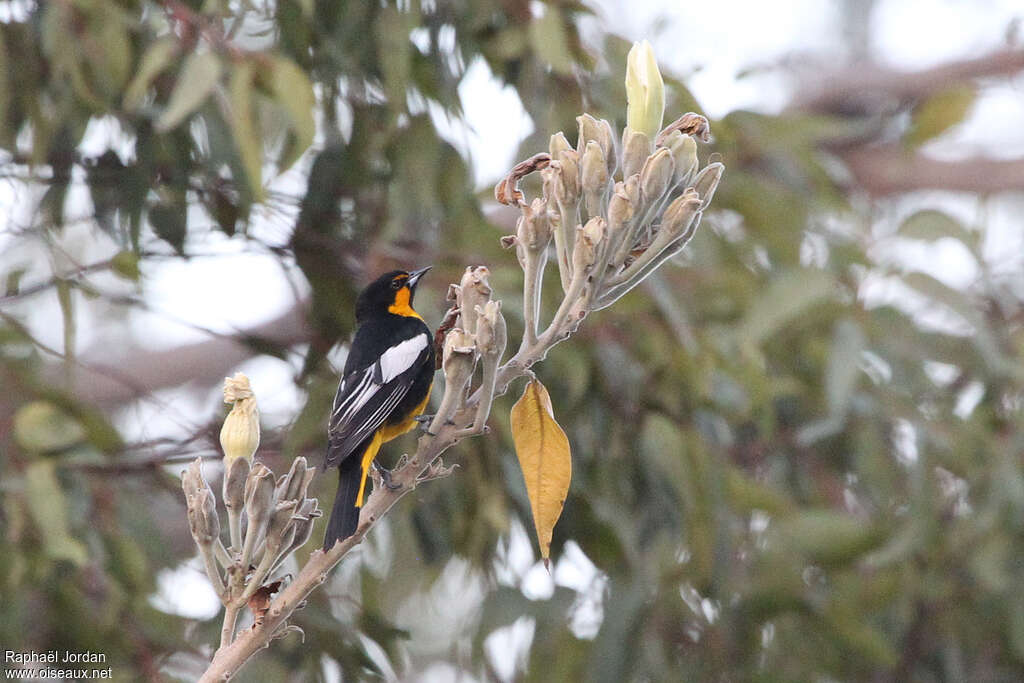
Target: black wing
point(367, 397)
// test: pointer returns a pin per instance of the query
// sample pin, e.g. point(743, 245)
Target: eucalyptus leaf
point(198, 77)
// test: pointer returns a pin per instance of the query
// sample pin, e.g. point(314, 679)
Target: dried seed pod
point(690, 124)
point(459, 356)
point(594, 170)
point(569, 172)
point(558, 144)
point(706, 182)
point(532, 229)
point(259, 495)
point(620, 208)
point(491, 331)
point(280, 518)
point(608, 145)
point(589, 131)
point(292, 485)
point(202, 505)
point(588, 237)
point(205, 525)
point(656, 175)
point(684, 152)
point(636, 147)
point(680, 213)
point(631, 186)
point(475, 291)
point(236, 474)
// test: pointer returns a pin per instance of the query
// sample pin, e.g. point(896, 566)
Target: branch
point(891, 169)
point(147, 371)
point(859, 86)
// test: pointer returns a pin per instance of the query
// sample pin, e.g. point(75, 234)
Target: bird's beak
point(415, 276)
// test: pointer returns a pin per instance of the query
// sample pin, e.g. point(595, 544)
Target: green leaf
point(157, 57)
point(939, 113)
point(126, 264)
point(294, 92)
point(547, 35)
point(13, 281)
point(67, 312)
point(394, 50)
point(198, 78)
point(42, 427)
point(785, 297)
point(841, 374)
point(47, 507)
point(828, 537)
point(931, 224)
point(169, 224)
point(243, 127)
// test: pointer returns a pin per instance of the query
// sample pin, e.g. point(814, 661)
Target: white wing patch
point(392, 363)
point(401, 357)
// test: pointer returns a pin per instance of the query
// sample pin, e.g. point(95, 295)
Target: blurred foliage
point(776, 477)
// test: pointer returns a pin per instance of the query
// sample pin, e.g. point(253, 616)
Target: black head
point(392, 292)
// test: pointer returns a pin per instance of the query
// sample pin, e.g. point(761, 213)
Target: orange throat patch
point(401, 305)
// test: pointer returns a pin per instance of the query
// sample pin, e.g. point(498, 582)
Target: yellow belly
point(383, 435)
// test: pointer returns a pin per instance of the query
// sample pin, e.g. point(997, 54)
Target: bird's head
point(391, 292)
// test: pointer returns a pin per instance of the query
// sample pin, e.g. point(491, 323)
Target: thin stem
point(221, 553)
point(235, 528)
point(227, 629)
point(533, 274)
point(563, 240)
point(571, 297)
point(615, 293)
point(212, 571)
point(662, 243)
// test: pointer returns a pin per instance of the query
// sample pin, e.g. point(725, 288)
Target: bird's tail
point(344, 515)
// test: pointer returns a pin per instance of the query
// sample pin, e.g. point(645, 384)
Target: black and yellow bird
point(385, 387)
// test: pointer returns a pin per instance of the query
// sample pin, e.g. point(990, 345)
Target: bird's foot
point(385, 478)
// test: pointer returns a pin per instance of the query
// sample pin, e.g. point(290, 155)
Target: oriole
point(384, 388)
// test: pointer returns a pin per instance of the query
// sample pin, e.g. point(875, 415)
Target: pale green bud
point(240, 435)
point(645, 91)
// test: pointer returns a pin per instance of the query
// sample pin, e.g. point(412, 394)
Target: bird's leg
point(424, 421)
point(385, 477)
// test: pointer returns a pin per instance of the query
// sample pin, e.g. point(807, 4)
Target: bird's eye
point(396, 284)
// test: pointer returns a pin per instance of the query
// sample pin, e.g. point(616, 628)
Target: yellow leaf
point(543, 452)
